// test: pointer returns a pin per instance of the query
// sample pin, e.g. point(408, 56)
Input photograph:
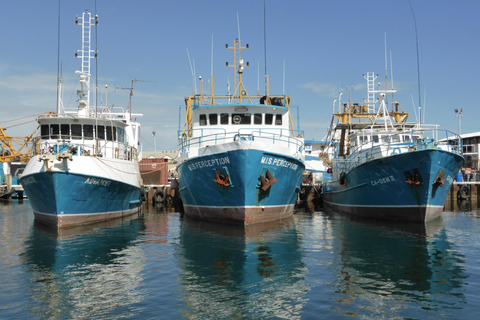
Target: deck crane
point(13, 149)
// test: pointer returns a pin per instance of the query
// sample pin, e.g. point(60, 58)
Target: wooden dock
point(463, 196)
point(166, 195)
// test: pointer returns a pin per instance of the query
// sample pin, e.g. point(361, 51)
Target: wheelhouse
point(87, 137)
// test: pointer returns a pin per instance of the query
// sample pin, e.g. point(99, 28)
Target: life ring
point(159, 196)
point(236, 119)
point(342, 178)
point(396, 151)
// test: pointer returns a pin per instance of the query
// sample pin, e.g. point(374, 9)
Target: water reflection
point(237, 272)
point(386, 267)
point(86, 271)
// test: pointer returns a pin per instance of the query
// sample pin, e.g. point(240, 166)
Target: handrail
point(370, 149)
point(280, 135)
point(82, 147)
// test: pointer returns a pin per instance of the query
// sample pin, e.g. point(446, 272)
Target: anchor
point(414, 180)
point(221, 180)
point(267, 181)
point(440, 182)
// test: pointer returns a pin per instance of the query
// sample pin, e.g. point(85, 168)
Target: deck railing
point(370, 150)
point(205, 137)
point(83, 147)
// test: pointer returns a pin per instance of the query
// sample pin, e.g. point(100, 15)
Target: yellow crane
point(15, 148)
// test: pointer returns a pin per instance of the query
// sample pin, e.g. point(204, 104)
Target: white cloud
point(323, 89)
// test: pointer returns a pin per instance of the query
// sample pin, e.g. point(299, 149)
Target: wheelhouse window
point(375, 138)
point(268, 118)
point(406, 138)
point(224, 118)
point(111, 133)
point(44, 131)
point(241, 118)
point(76, 131)
point(121, 135)
point(100, 132)
point(203, 120)
point(212, 119)
point(278, 120)
point(65, 131)
point(54, 131)
point(88, 131)
point(257, 118)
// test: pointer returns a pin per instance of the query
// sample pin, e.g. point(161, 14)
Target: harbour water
point(158, 265)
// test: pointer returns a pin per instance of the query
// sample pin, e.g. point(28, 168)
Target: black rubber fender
point(342, 178)
point(159, 196)
point(464, 192)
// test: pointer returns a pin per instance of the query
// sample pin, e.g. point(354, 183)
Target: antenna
point(414, 108)
point(284, 77)
point(386, 77)
point(193, 73)
point(258, 78)
point(418, 66)
point(265, 42)
point(211, 68)
point(131, 93)
point(211, 75)
point(59, 80)
point(391, 72)
point(349, 95)
point(238, 26)
point(424, 102)
point(228, 85)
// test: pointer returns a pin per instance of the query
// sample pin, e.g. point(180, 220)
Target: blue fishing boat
point(84, 166)
point(385, 167)
point(239, 161)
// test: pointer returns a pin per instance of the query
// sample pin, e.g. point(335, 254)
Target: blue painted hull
point(243, 201)
point(66, 199)
point(378, 188)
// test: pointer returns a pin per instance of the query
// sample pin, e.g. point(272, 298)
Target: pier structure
point(463, 196)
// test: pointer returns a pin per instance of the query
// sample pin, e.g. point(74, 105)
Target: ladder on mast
point(371, 90)
point(85, 54)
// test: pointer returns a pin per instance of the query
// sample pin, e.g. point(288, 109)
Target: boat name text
point(382, 180)
point(279, 163)
point(208, 163)
point(450, 179)
point(28, 181)
point(98, 182)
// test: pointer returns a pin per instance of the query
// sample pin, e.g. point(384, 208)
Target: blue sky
point(325, 46)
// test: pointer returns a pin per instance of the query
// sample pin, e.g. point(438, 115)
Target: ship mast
point(238, 65)
point(85, 54)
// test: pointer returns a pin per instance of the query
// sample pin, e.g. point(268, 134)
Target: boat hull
point(67, 198)
point(241, 198)
point(378, 188)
